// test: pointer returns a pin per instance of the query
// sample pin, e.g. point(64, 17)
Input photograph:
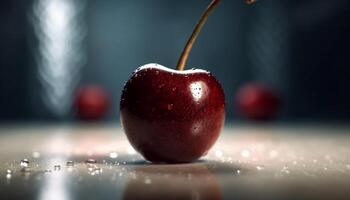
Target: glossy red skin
point(257, 101)
point(165, 120)
point(92, 102)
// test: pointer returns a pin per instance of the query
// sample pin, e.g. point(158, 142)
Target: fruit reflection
point(186, 181)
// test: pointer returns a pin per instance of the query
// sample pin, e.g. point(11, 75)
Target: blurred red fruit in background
point(257, 101)
point(91, 102)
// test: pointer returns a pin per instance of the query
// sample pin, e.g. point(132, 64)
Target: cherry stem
point(184, 56)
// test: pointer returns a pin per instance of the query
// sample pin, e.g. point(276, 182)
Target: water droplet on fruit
point(8, 171)
point(174, 89)
point(259, 168)
point(24, 163)
point(157, 72)
point(170, 106)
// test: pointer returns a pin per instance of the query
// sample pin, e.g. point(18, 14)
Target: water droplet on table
point(113, 155)
point(91, 168)
point(57, 167)
point(259, 168)
point(70, 164)
point(98, 170)
point(24, 163)
point(90, 161)
point(8, 176)
point(8, 171)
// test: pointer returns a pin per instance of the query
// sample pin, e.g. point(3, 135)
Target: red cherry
point(257, 101)
point(92, 102)
point(173, 115)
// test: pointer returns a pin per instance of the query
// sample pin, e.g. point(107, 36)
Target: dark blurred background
point(49, 48)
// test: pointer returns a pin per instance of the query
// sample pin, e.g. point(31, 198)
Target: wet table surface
point(247, 162)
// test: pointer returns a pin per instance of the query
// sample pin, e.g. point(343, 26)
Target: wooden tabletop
point(248, 162)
